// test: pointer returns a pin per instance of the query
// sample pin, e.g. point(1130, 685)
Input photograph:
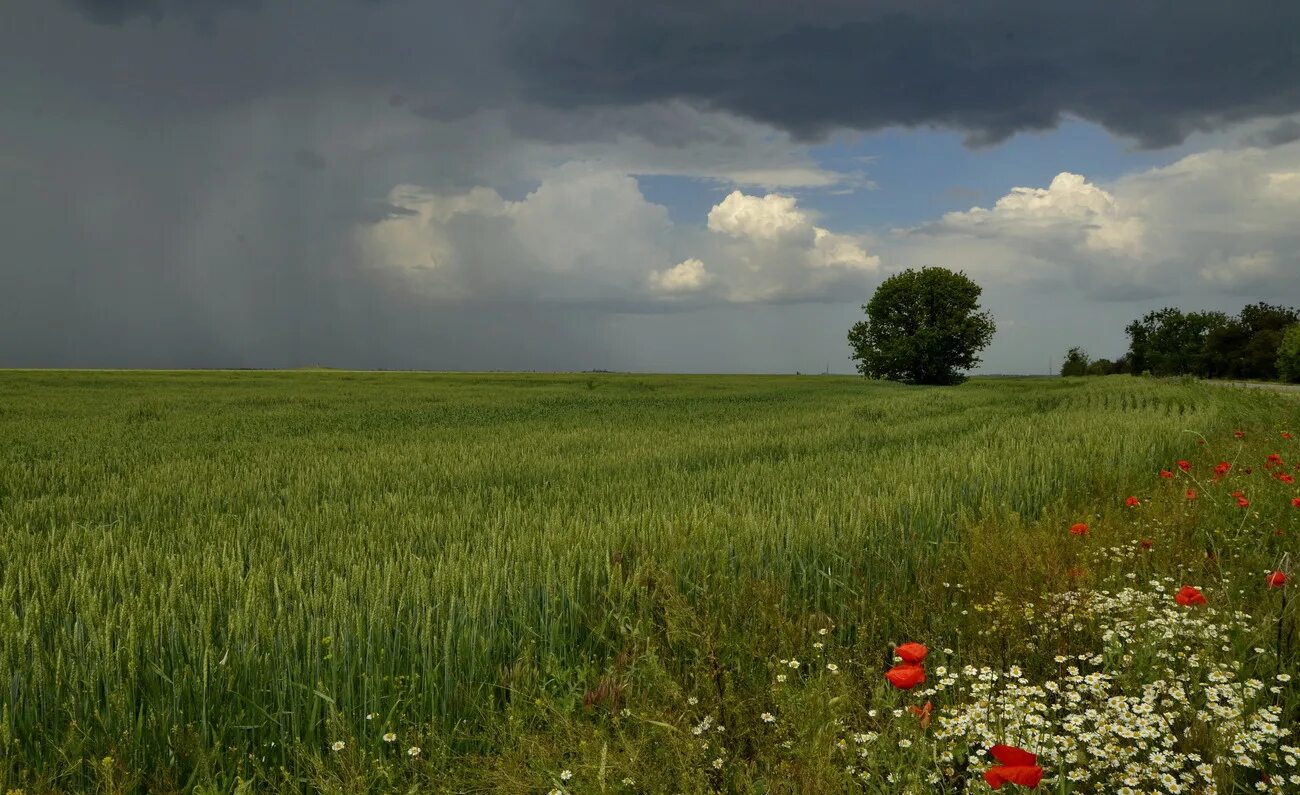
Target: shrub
point(1076, 362)
point(1288, 355)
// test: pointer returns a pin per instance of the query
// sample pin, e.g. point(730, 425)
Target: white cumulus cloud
point(1284, 185)
point(777, 254)
point(1068, 207)
point(1222, 218)
point(587, 234)
point(686, 276)
point(1243, 271)
point(840, 251)
point(769, 218)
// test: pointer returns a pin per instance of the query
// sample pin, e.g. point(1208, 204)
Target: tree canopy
point(1076, 362)
point(1288, 355)
point(922, 327)
point(1170, 341)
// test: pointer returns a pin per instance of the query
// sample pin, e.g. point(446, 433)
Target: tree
point(922, 327)
point(1171, 342)
point(1246, 346)
point(1102, 367)
point(1288, 355)
point(1266, 317)
point(1210, 344)
point(1076, 362)
point(1225, 350)
point(1266, 324)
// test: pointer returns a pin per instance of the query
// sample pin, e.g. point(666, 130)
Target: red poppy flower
point(1236, 495)
point(922, 714)
point(1166, 474)
point(1147, 544)
point(1221, 469)
point(1286, 478)
point(1277, 579)
point(1186, 466)
point(1239, 434)
point(905, 676)
point(1078, 529)
point(1187, 595)
point(1242, 502)
point(1295, 501)
point(912, 653)
point(1132, 502)
point(1191, 494)
point(1018, 766)
point(1286, 435)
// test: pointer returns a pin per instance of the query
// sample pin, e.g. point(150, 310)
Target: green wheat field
point(400, 582)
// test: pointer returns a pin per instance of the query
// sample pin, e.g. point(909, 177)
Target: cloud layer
point(438, 184)
point(1150, 71)
point(1221, 220)
point(588, 235)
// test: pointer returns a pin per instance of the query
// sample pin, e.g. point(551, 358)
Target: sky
point(668, 187)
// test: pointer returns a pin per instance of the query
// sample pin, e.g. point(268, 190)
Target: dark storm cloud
point(1153, 71)
point(178, 193)
point(182, 181)
point(186, 57)
point(1284, 132)
point(116, 11)
point(310, 159)
point(374, 212)
point(150, 261)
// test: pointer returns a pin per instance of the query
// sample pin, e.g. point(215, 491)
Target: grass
point(210, 579)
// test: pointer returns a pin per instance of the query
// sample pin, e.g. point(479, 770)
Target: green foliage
point(211, 578)
point(1076, 362)
point(1210, 344)
point(1107, 367)
point(922, 327)
point(1172, 342)
point(1288, 355)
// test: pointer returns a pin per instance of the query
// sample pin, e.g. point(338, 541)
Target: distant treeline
point(1262, 342)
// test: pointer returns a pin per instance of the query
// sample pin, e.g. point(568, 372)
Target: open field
point(210, 579)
